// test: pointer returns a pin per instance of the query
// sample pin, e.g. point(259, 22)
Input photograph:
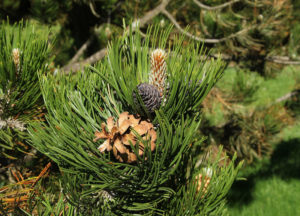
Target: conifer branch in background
point(241, 38)
point(141, 22)
point(218, 7)
point(205, 40)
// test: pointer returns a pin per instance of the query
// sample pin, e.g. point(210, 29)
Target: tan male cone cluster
point(158, 72)
point(202, 179)
point(118, 136)
point(16, 59)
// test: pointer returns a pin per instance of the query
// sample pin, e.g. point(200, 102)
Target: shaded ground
point(273, 186)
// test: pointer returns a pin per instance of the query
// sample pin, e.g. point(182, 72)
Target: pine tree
point(23, 53)
point(118, 157)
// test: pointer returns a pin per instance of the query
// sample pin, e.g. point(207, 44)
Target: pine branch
point(21, 58)
point(80, 105)
point(212, 41)
point(209, 8)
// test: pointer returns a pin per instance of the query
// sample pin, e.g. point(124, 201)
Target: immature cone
point(118, 136)
point(149, 95)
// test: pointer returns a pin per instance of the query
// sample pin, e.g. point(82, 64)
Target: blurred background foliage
point(255, 30)
point(254, 109)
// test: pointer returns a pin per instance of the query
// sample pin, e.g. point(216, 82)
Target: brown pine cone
point(120, 134)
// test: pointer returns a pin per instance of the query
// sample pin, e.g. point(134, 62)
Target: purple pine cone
point(149, 95)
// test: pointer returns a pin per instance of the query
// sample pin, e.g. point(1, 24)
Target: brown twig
point(92, 7)
point(286, 96)
point(17, 194)
point(206, 7)
point(283, 60)
point(82, 49)
point(90, 60)
point(153, 13)
point(42, 174)
point(212, 41)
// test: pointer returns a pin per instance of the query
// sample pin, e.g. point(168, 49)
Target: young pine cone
point(149, 95)
point(121, 133)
